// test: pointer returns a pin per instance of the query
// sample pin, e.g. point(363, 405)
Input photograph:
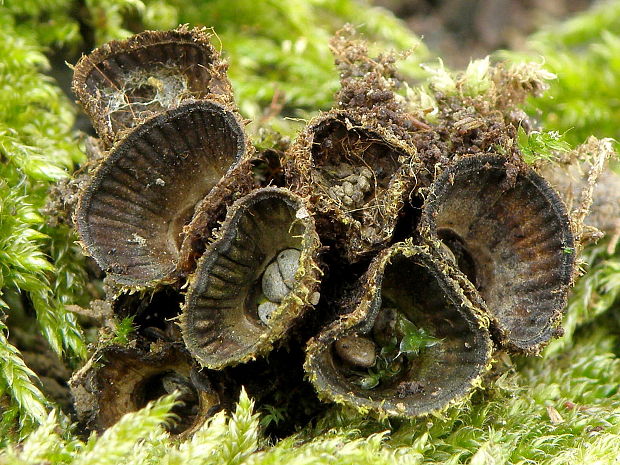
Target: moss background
point(561, 408)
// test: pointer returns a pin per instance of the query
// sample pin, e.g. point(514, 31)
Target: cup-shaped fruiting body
point(358, 172)
point(120, 379)
point(123, 82)
point(511, 235)
point(254, 281)
point(132, 213)
point(411, 345)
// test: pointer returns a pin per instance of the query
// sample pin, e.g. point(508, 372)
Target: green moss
point(283, 47)
point(37, 148)
point(583, 51)
point(560, 409)
point(124, 329)
point(541, 146)
point(541, 411)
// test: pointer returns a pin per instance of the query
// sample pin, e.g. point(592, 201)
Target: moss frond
point(45, 445)
point(107, 17)
point(37, 148)
point(541, 146)
point(17, 382)
point(342, 450)
point(25, 268)
point(123, 330)
point(137, 435)
point(129, 435)
point(242, 435)
point(48, 20)
point(594, 294)
point(36, 120)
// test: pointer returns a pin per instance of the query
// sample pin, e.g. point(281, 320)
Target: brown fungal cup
point(124, 82)
point(254, 281)
point(131, 215)
point(357, 173)
point(432, 343)
point(512, 239)
point(120, 380)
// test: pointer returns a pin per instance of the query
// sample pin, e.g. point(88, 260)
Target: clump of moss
point(583, 100)
point(40, 262)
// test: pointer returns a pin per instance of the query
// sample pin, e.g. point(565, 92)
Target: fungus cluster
point(397, 259)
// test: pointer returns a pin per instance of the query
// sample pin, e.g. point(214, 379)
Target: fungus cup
point(221, 323)
point(131, 215)
point(431, 342)
point(124, 82)
point(358, 174)
point(511, 238)
point(118, 380)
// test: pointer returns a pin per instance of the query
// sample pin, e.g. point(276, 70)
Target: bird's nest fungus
point(395, 253)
